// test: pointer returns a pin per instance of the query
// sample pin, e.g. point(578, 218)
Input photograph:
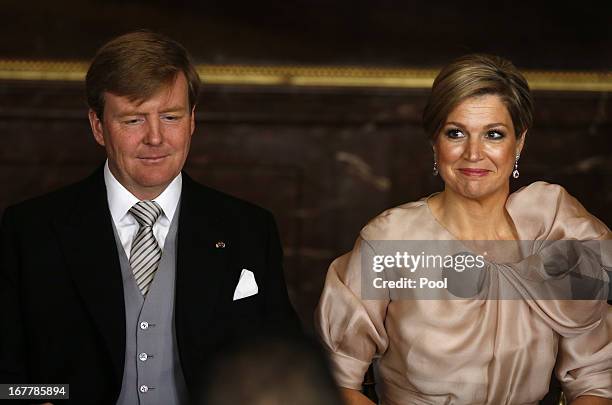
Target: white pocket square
point(247, 285)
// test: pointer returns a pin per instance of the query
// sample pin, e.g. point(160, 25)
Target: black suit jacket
point(62, 310)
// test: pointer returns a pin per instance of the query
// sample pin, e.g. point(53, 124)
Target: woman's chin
point(479, 191)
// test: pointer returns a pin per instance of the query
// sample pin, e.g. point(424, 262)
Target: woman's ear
point(521, 143)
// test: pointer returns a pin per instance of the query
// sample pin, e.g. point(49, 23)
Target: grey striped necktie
point(146, 253)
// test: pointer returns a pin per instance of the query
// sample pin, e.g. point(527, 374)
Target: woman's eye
point(454, 133)
point(495, 135)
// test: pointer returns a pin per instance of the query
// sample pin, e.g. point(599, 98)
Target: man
point(123, 285)
point(271, 369)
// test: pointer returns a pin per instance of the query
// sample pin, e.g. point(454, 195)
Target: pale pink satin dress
point(470, 351)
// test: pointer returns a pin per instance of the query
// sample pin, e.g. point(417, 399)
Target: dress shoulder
point(548, 211)
point(409, 221)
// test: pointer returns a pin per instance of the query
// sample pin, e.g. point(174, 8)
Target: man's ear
point(96, 127)
point(192, 120)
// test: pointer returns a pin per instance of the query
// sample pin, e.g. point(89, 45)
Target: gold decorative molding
point(307, 76)
point(30, 70)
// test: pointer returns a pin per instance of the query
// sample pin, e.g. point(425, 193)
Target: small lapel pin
point(220, 245)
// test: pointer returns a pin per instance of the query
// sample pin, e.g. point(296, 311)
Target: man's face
point(146, 142)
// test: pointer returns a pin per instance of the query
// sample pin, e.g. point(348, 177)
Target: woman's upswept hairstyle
point(478, 75)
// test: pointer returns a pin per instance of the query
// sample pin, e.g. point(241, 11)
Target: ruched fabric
point(480, 350)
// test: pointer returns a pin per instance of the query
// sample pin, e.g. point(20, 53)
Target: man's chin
point(153, 181)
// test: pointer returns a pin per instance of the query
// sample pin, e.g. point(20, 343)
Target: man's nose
point(154, 134)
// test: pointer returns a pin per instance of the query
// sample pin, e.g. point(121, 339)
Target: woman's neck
point(474, 219)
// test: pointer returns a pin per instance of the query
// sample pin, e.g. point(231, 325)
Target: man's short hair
point(136, 65)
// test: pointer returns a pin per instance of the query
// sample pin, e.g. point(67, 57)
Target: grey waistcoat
point(152, 374)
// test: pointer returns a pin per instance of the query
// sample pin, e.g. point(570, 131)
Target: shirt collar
point(120, 200)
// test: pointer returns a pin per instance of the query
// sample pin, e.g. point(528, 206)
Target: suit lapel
point(203, 253)
point(89, 245)
point(90, 249)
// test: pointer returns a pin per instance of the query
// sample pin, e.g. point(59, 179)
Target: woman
point(489, 350)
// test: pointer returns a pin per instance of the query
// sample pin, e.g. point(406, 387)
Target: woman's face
point(477, 147)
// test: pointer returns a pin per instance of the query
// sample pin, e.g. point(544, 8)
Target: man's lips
point(475, 172)
point(152, 159)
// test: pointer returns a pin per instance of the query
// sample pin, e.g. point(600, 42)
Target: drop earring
point(516, 173)
point(435, 168)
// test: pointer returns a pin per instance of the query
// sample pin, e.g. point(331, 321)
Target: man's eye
point(132, 121)
point(170, 117)
point(454, 133)
point(495, 135)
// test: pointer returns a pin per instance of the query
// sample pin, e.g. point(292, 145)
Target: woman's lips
point(474, 172)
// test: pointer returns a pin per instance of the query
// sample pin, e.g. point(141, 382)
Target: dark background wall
point(535, 34)
point(323, 159)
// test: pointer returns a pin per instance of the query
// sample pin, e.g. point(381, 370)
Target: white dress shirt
point(120, 200)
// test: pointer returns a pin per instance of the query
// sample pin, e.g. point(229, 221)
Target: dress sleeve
point(584, 362)
point(352, 329)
